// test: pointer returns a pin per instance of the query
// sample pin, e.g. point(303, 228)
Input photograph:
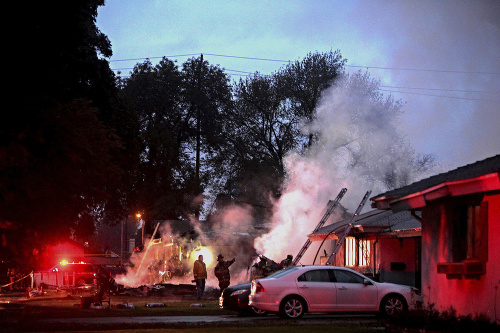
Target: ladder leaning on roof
point(347, 229)
point(330, 207)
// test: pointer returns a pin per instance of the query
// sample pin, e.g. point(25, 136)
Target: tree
point(153, 94)
point(303, 82)
point(182, 115)
point(207, 103)
point(264, 131)
point(56, 152)
point(265, 125)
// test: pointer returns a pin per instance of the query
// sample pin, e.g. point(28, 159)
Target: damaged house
point(460, 212)
point(381, 244)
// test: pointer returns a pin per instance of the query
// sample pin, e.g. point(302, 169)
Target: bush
point(447, 321)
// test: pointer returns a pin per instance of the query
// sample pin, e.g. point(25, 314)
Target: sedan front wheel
point(292, 307)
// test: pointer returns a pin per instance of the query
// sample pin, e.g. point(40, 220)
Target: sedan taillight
point(257, 287)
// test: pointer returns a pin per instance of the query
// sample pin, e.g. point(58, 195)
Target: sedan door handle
point(303, 286)
point(342, 288)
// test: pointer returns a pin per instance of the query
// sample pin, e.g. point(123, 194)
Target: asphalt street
point(206, 319)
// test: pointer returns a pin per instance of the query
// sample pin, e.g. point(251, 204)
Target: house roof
point(375, 221)
point(481, 176)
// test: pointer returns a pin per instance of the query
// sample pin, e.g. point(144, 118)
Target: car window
point(347, 277)
point(282, 272)
point(316, 275)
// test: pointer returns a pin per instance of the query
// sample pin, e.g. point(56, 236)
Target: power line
point(248, 58)
point(246, 73)
point(209, 54)
point(431, 95)
point(171, 56)
point(440, 89)
point(288, 61)
point(423, 70)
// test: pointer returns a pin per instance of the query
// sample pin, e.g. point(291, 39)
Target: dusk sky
point(442, 58)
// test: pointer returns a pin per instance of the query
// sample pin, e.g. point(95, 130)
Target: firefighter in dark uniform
point(222, 271)
point(286, 262)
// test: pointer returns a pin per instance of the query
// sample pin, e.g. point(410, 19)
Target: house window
point(364, 252)
point(350, 251)
point(357, 252)
point(470, 232)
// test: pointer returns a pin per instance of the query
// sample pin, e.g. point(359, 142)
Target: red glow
point(64, 251)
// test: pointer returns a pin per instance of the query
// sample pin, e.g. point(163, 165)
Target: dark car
point(235, 298)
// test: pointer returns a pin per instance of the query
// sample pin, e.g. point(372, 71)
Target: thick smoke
point(228, 235)
point(452, 94)
point(359, 144)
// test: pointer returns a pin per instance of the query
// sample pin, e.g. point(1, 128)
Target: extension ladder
point(347, 229)
point(330, 207)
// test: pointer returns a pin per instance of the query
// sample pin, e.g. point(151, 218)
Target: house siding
point(466, 296)
point(395, 252)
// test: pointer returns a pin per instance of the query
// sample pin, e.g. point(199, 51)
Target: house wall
point(466, 296)
point(385, 251)
point(395, 253)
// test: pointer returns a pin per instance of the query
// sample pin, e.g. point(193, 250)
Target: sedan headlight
point(240, 292)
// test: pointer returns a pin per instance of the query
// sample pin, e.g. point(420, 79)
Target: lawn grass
point(70, 308)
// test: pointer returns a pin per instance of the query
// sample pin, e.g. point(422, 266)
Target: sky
point(442, 58)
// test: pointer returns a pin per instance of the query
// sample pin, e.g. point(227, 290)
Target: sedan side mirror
point(367, 282)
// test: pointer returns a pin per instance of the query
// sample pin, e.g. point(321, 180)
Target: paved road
point(182, 321)
point(102, 323)
point(152, 320)
point(205, 319)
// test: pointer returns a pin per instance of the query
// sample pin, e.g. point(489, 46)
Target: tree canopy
point(56, 150)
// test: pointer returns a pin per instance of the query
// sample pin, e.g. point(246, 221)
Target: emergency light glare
point(64, 262)
point(208, 258)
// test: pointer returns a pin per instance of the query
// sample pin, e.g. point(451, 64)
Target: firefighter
point(11, 273)
point(200, 275)
point(106, 282)
point(261, 268)
point(286, 262)
point(222, 271)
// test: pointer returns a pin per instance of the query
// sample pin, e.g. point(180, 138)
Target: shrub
point(447, 321)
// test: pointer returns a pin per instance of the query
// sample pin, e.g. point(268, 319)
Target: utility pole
point(198, 129)
point(121, 244)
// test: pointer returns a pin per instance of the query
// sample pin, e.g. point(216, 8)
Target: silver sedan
point(325, 289)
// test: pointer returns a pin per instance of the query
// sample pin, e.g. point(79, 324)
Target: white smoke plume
point(228, 235)
point(359, 141)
